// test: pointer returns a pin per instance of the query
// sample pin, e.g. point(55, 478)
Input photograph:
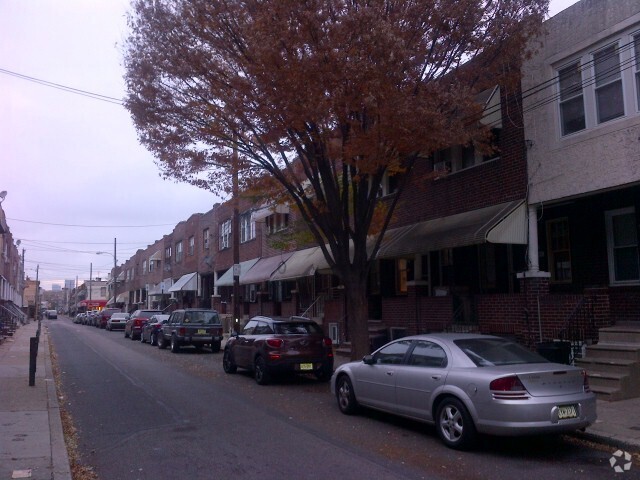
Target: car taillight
point(585, 381)
point(508, 388)
point(275, 342)
point(182, 331)
point(326, 341)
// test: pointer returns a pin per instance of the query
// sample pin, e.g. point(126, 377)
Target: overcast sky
point(75, 174)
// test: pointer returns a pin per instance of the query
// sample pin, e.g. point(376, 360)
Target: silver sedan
point(467, 384)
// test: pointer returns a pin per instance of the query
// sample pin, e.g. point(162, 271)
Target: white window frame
point(225, 234)
point(571, 96)
point(605, 81)
point(636, 42)
point(609, 215)
point(247, 227)
point(192, 245)
point(179, 251)
point(205, 239)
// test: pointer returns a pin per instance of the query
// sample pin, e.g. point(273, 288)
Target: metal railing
point(316, 309)
point(578, 329)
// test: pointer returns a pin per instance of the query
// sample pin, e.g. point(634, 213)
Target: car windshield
point(147, 314)
point(201, 317)
point(489, 352)
point(297, 328)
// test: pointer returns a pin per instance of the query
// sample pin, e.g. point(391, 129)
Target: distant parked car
point(280, 345)
point(52, 314)
point(133, 327)
point(467, 384)
point(104, 315)
point(192, 326)
point(78, 318)
point(150, 329)
point(117, 321)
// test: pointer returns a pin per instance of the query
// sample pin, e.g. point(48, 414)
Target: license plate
point(306, 366)
point(567, 411)
point(202, 332)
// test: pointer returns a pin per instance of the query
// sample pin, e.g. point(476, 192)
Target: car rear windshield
point(148, 314)
point(297, 328)
point(489, 352)
point(201, 317)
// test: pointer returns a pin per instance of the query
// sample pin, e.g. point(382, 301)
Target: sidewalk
point(32, 442)
point(31, 439)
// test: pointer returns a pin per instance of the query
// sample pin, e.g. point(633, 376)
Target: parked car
point(104, 315)
point(91, 318)
point(133, 327)
point(150, 329)
point(467, 384)
point(269, 345)
point(191, 326)
point(52, 314)
point(78, 318)
point(117, 321)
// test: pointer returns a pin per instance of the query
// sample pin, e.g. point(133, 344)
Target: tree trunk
point(357, 315)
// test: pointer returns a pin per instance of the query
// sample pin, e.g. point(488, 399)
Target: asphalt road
point(145, 413)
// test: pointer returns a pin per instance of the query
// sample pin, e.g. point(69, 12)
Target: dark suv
point(133, 327)
point(191, 326)
point(104, 315)
point(280, 345)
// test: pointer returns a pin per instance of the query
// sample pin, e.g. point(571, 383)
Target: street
point(145, 413)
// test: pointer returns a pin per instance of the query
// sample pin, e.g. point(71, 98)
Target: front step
point(613, 364)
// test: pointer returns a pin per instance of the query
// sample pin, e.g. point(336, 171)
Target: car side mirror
point(369, 360)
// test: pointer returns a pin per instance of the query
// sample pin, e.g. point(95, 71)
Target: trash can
point(557, 352)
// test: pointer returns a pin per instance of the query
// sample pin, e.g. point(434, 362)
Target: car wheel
point(153, 340)
point(142, 340)
point(175, 346)
point(345, 395)
point(227, 363)
point(324, 374)
point(162, 343)
point(454, 424)
point(126, 335)
point(133, 336)
point(260, 372)
point(215, 347)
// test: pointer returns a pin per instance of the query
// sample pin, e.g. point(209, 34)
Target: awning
point(264, 268)
point(264, 212)
point(302, 263)
point(226, 280)
point(503, 223)
point(156, 256)
point(123, 297)
point(188, 282)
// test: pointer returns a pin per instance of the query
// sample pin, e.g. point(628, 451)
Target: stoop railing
point(578, 329)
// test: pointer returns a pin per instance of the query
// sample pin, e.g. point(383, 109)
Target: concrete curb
point(59, 456)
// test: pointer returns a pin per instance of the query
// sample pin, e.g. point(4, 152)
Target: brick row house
point(11, 278)
point(521, 241)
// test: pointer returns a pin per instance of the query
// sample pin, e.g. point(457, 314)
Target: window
point(622, 246)
point(103, 291)
point(167, 255)
point(401, 276)
point(152, 265)
point(393, 353)
point(144, 266)
point(205, 239)
point(388, 184)
point(277, 222)
point(460, 157)
point(572, 117)
point(247, 227)
point(636, 44)
point(428, 354)
point(608, 88)
point(179, 251)
point(559, 250)
point(225, 234)
point(192, 245)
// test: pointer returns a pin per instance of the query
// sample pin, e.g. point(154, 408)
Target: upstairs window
point(179, 251)
point(144, 266)
point(167, 255)
point(608, 87)
point(277, 222)
point(192, 245)
point(247, 227)
point(572, 118)
point(205, 239)
point(225, 234)
point(636, 49)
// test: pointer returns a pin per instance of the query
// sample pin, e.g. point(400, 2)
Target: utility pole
point(90, 280)
point(115, 275)
point(236, 243)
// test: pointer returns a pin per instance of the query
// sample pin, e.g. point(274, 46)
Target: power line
point(90, 226)
point(64, 88)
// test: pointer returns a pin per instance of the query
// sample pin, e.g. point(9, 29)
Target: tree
point(325, 97)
